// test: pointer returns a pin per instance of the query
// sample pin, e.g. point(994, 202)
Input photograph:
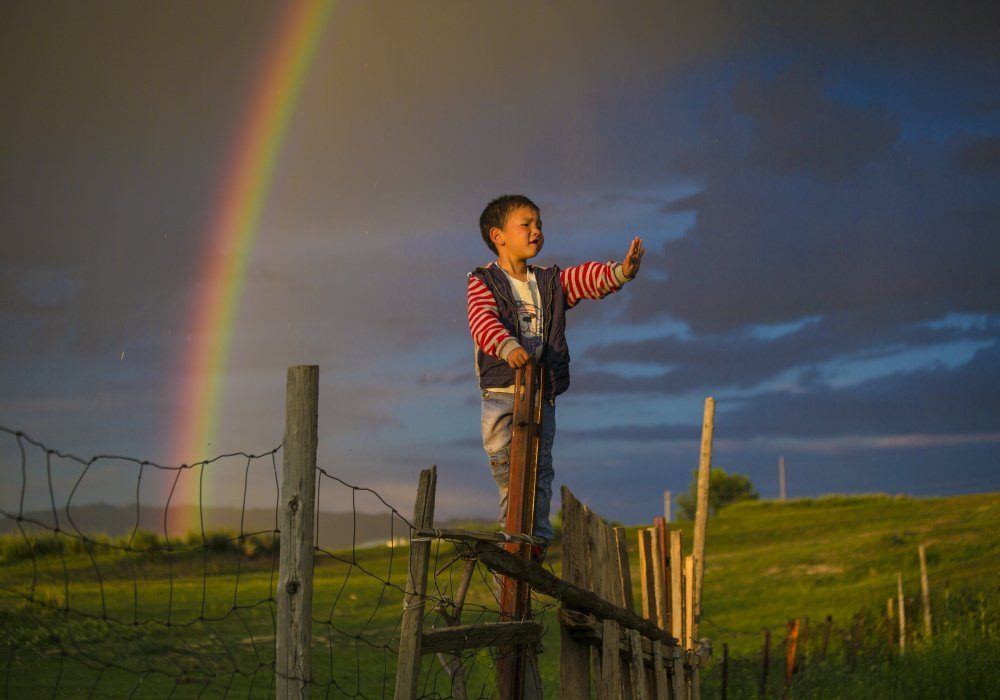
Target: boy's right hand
point(517, 358)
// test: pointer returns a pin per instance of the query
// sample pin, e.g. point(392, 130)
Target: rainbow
point(229, 241)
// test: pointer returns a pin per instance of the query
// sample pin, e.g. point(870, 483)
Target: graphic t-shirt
point(529, 314)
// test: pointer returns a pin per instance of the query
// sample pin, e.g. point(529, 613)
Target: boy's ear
point(496, 235)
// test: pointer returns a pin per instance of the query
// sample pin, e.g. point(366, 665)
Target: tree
point(723, 489)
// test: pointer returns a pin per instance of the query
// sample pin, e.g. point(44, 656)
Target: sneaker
point(538, 552)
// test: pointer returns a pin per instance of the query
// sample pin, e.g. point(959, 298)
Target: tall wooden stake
point(515, 604)
point(297, 518)
point(411, 629)
point(791, 647)
point(925, 591)
point(666, 505)
point(902, 613)
point(701, 517)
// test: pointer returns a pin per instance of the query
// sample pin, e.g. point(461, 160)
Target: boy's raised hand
point(633, 258)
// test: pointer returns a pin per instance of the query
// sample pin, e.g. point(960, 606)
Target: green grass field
point(184, 625)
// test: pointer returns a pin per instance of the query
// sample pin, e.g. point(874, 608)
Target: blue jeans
point(497, 425)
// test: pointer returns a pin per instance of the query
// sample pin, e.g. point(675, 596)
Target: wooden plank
point(611, 664)
point(676, 585)
point(661, 684)
point(659, 582)
point(411, 627)
point(647, 578)
point(624, 569)
point(478, 636)
point(297, 516)
point(574, 655)
point(515, 602)
point(475, 536)
point(571, 596)
point(688, 602)
point(677, 612)
point(637, 670)
point(590, 630)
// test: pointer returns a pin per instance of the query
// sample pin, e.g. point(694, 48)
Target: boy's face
point(521, 236)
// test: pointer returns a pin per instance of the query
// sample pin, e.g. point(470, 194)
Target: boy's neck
point(518, 269)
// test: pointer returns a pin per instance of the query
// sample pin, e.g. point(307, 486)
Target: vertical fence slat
point(637, 669)
point(574, 656)
point(411, 628)
point(611, 662)
point(297, 512)
point(677, 611)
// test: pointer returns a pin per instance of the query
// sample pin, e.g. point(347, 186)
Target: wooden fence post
point(701, 516)
point(574, 656)
point(902, 613)
point(411, 628)
point(826, 636)
point(297, 517)
point(766, 663)
point(666, 506)
point(925, 590)
point(791, 647)
point(677, 611)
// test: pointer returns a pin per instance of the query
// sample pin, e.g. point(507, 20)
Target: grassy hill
point(766, 562)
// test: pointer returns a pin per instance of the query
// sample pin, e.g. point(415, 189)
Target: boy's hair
point(496, 212)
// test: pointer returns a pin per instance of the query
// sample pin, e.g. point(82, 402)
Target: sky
point(818, 189)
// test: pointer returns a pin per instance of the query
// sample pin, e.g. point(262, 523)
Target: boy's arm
point(593, 280)
point(484, 322)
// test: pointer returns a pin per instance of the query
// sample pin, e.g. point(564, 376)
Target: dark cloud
point(741, 359)
point(843, 226)
point(982, 156)
point(937, 400)
point(797, 128)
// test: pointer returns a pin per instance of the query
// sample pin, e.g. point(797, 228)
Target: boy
point(517, 315)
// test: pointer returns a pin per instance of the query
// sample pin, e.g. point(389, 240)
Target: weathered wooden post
point(766, 663)
point(666, 505)
point(925, 590)
point(826, 636)
point(517, 664)
point(297, 517)
point(411, 628)
point(902, 613)
point(574, 659)
point(701, 515)
point(677, 611)
point(791, 647)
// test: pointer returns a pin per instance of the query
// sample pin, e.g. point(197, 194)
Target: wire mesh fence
point(101, 601)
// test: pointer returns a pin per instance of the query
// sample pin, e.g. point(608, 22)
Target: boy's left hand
point(633, 258)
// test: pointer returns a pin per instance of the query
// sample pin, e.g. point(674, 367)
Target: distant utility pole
point(666, 505)
point(781, 478)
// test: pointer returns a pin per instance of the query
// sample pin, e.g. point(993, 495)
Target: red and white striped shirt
point(591, 280)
